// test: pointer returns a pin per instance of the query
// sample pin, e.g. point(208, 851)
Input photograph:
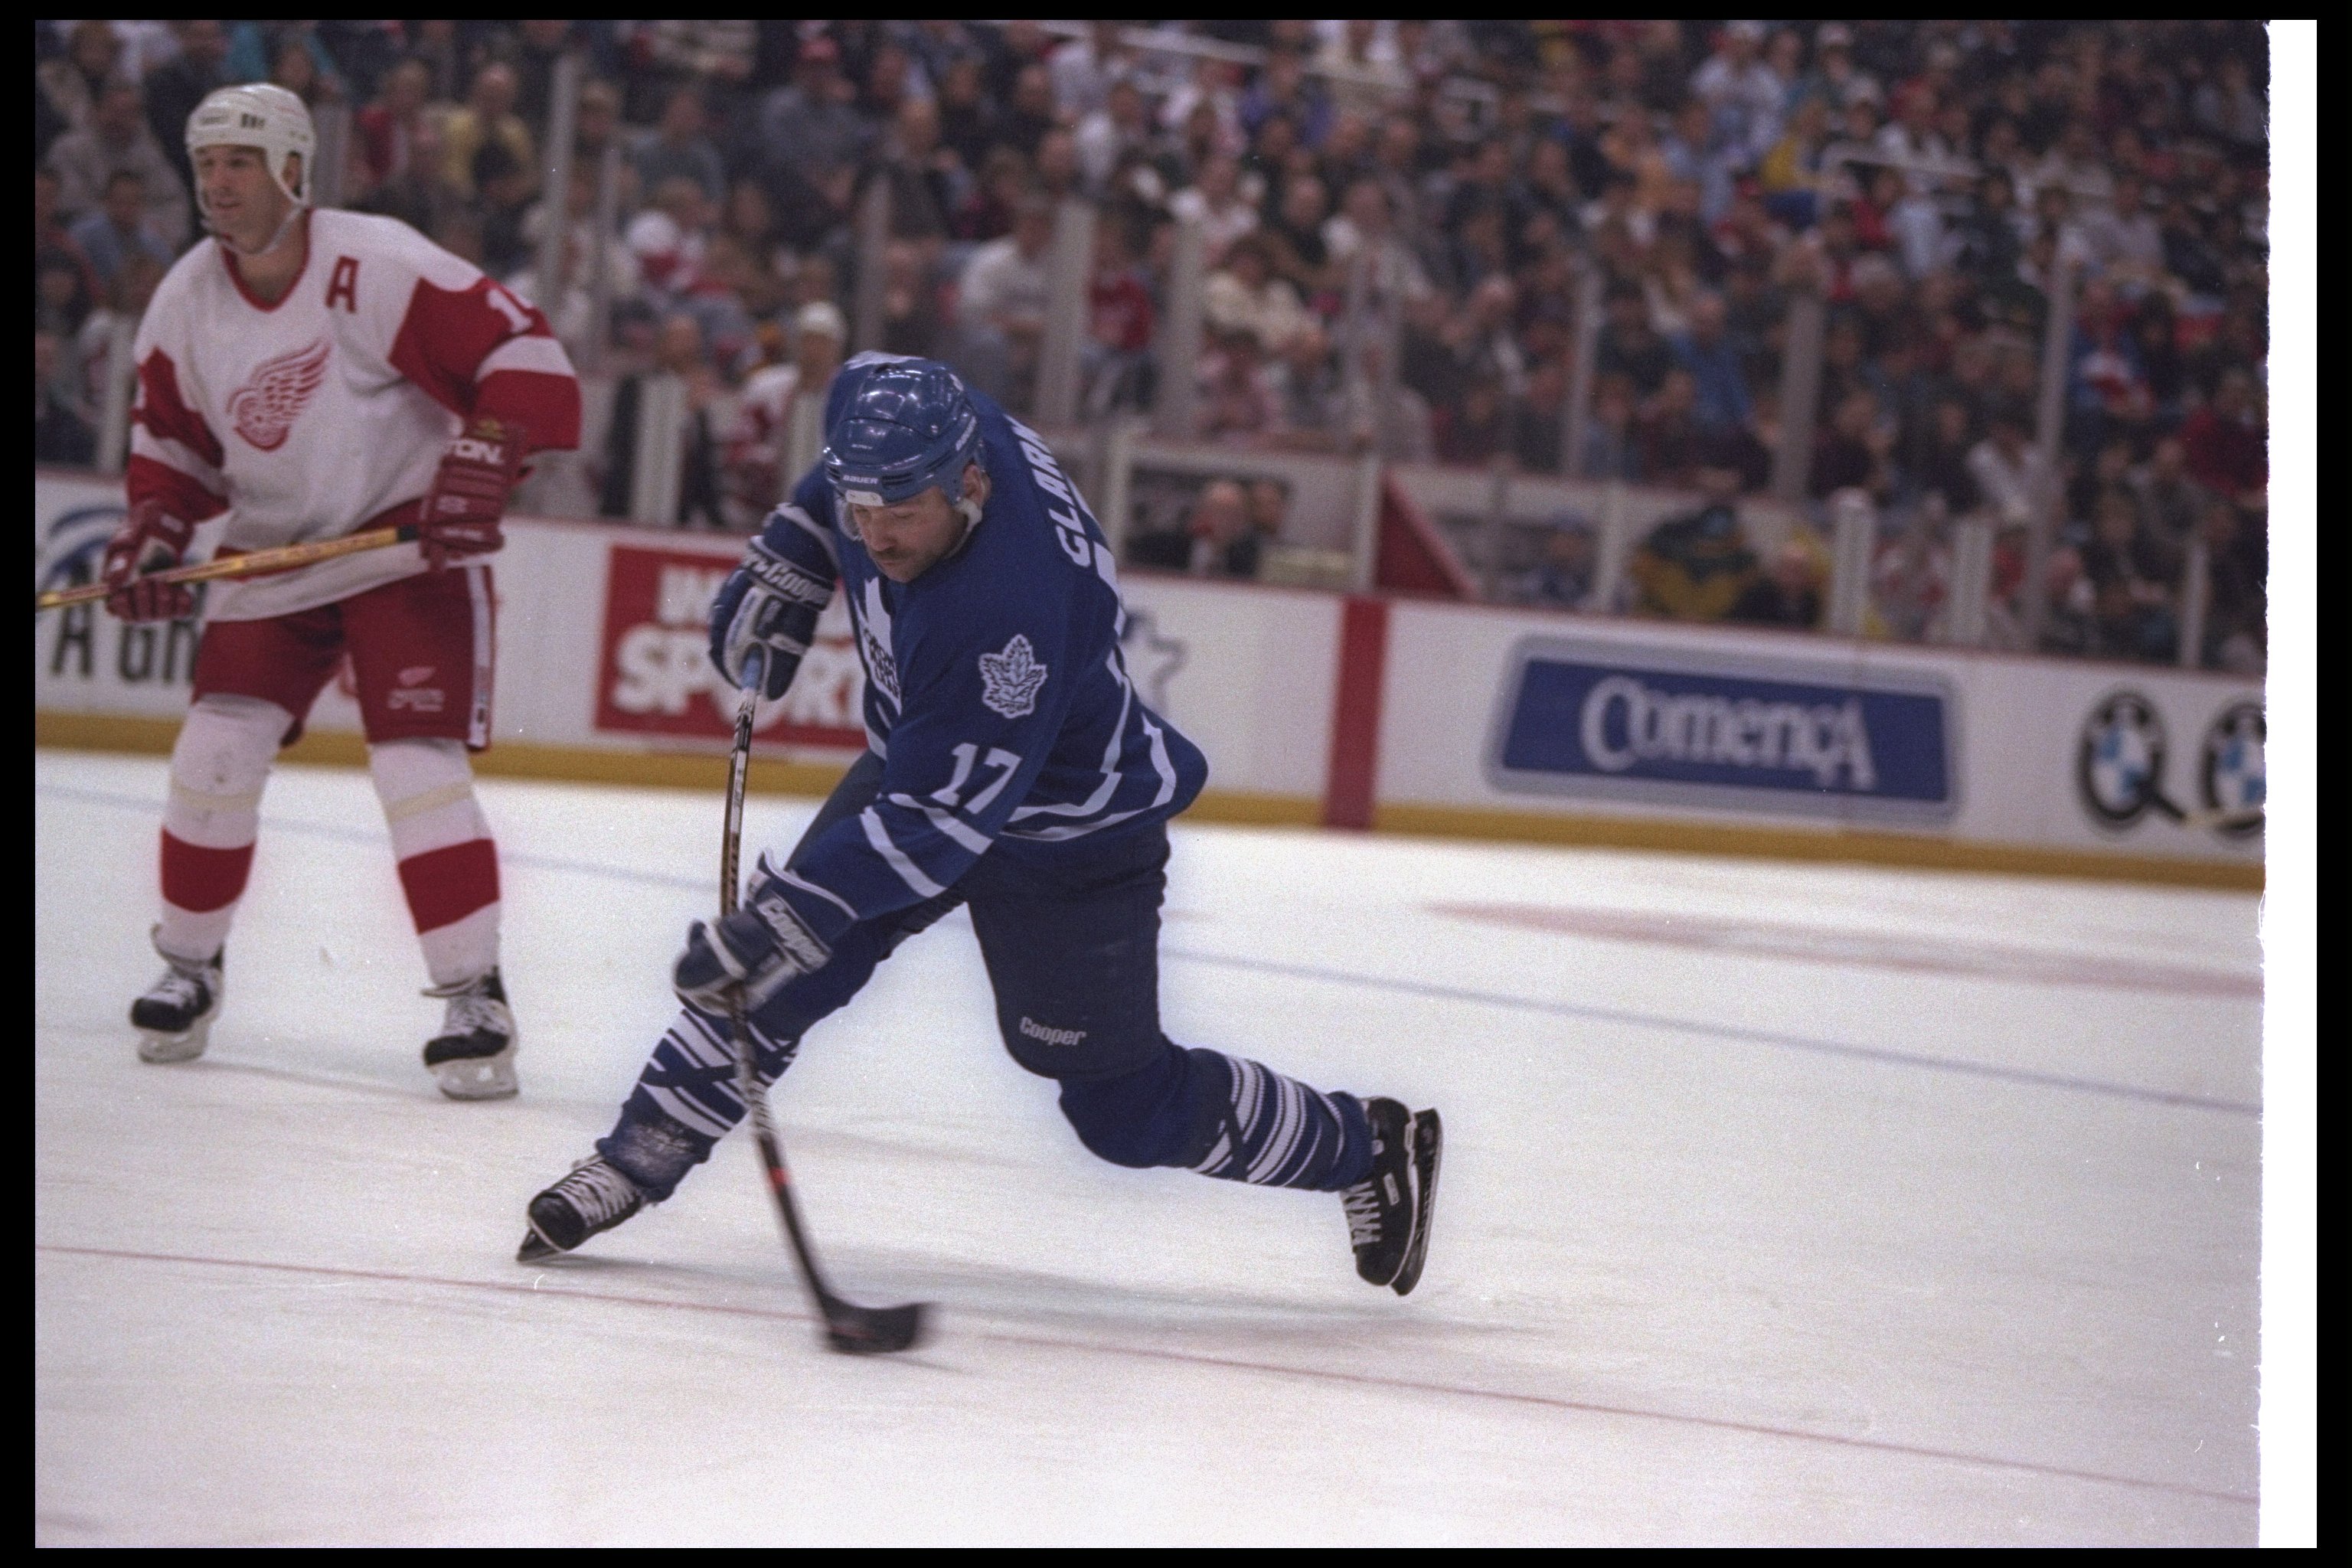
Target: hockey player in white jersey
point(314, 374)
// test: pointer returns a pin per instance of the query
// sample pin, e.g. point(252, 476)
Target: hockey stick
point(284, 558)
point(849, 1327)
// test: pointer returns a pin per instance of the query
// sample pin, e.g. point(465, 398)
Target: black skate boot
point(594, 1197)
point(176, 1014)
point(473, 1056)
point(1388, 1211)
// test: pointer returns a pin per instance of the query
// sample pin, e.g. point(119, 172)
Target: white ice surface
point(1731, 1246)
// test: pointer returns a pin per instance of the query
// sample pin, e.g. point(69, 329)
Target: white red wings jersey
point(327, 413)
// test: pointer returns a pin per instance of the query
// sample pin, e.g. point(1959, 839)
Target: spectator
point(1696, 566)
point(1116, 359)
point(1216, 203)
point(1563, 578)
point(120, 230)
point(61, 432)
point(1244, 296)
point(1939, 463)
point(1236, 402)
point(174, 88)
point(1630, 346)
point(1741, 92)
point(1852, 449)
point(677, 350)
point(396, 147)
point(671, 239)
point(117, 141)
point(2223, 441)
point(678, 148)
point(1706, 351)
point(1911, 578)
point(487, 115)
point(501, 197)
point(2173, 504)
point(756, 480)
point(1106, 135)
point(2236, 608)
point(1787, 594)
point(1001, 305)
point(2132, 600)
point(1226, 542)
point(71, 84)
point(2007, 471)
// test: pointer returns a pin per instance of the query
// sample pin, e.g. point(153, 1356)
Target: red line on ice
point(1182, 1358)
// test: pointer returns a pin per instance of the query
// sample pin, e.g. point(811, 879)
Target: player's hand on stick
point(768, 603)
point(477, 472)
point(745, 955)
point(148, 540)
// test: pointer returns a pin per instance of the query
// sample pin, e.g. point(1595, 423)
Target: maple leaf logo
point(1008, 680)
point(264, 409)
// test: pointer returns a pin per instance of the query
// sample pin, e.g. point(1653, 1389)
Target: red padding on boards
point(200, 880)
point(1356, 715)
point(446, 885)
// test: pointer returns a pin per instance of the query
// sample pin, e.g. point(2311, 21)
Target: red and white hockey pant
point(252, 680)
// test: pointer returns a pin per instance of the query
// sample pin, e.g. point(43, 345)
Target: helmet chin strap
point(275, 239)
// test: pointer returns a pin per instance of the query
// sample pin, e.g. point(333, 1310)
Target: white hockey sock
point(448, 866)
point(219, 765)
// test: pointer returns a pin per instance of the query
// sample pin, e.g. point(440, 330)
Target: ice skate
point(177, 1013)
point(473, 1056)
point(1388, 1211)
point(594, 1197)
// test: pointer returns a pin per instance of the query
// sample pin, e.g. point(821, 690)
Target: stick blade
point(874, 1331)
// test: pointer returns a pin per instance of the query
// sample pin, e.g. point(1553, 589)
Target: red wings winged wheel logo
point(264, 409)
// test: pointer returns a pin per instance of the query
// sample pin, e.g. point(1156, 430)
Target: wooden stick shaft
point(284, 558)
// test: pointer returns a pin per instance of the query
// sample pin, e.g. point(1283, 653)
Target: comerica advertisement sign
point(1757, 733)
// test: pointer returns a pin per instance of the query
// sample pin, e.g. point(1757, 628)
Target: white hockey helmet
point(259, 114)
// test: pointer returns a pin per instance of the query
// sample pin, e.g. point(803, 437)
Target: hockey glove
point(147, 541)
point(469, 492)
point(767, 602)
point(747, 954)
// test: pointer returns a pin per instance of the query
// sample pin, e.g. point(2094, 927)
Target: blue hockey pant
point(1070, 935)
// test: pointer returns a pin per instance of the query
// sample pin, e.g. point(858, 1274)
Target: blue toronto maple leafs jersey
point(995, 690)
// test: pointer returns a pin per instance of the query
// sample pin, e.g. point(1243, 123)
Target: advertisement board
point(655, 676)
point(1583, 716)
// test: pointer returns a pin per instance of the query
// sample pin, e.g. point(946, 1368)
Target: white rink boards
point(1781, 1204)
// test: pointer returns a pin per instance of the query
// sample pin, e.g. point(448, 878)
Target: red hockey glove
point(147, 541)
point(469, 492)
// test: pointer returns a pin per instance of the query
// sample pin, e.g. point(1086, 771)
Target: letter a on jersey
point(1010, 679)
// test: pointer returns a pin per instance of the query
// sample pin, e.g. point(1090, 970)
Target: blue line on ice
point(1367, 981)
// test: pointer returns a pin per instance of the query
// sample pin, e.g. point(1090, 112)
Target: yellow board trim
point(685, 770)
point(1851, 844)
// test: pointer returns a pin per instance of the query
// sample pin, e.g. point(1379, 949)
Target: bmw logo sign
point(2119, 766)
point(2232, 776)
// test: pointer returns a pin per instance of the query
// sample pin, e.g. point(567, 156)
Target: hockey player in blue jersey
point(1013, 769)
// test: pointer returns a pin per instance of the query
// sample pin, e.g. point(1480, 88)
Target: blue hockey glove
point(767, 602)
point(748, 954)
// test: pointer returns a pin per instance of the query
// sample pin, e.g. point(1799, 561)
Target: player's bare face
point(911, 536)
point(242, 202)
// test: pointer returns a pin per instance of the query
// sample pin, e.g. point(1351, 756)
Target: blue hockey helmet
point(906, 428)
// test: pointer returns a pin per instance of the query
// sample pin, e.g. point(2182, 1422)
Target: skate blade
point(1428, 1143)
point(478, 1077)
point(157, 1047)
point(536, 1248)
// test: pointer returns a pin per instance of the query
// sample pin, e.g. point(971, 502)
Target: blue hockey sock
point(1276, 1131)
point(685, 1101)
point(1223, 1117)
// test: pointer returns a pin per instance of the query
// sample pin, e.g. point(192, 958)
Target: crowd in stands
point(1461, 183)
